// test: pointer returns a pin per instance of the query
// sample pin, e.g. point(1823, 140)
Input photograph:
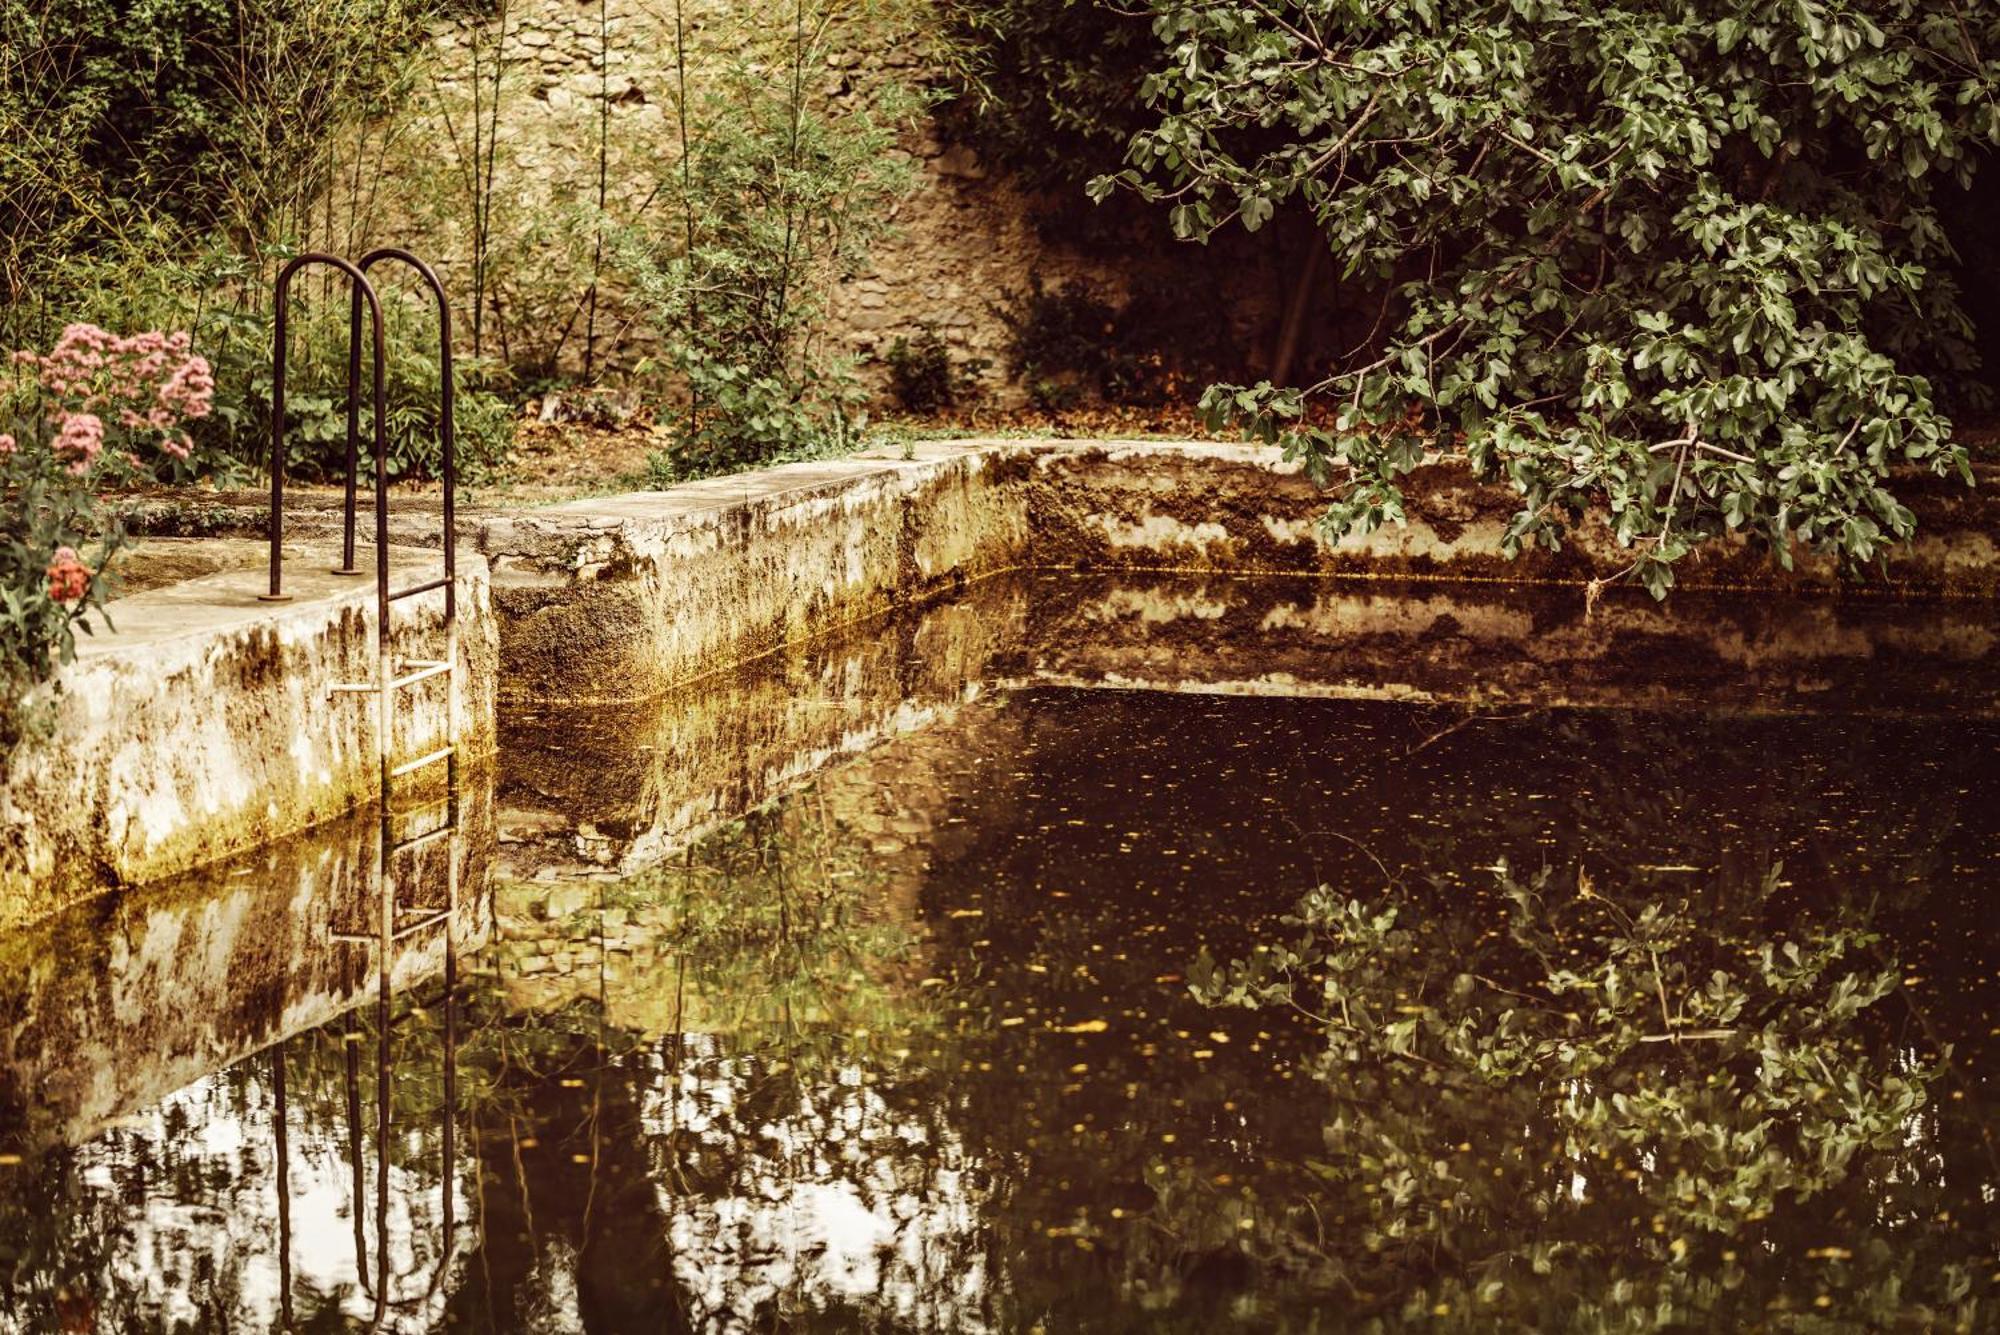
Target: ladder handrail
point(447, 439)
point(358, 280)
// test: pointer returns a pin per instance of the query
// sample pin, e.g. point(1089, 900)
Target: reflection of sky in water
point(844, 1200)
point(210, 1257)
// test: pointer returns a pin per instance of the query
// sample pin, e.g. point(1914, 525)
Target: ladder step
point(420, 925)
point(418, 841)
point(416, 589)
point(425, 667)
point(411, 766)
point(411, 929)
point(424, 809)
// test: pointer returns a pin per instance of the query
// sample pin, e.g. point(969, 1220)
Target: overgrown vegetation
point(772, 199)
point(1071, 343)
point(165, 160)
point(94, 410)
point(925, 378)
point(132, 126)
point(1681, 262)
point(1053, 91)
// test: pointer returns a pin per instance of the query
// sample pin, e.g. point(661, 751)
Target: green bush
point(1051, 91)
point(925, 378)
point(316, 396)
point(224, 301)
point(778, 197)
point(162, 156)
point(121, 119)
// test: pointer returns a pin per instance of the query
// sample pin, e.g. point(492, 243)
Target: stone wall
point(621, 598)
point(965, 239)
point(204, 724)
point(204, 727)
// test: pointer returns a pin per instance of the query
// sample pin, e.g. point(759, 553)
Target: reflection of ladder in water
point(393, 921)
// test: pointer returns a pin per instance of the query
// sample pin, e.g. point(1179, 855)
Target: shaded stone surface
point(607, 790)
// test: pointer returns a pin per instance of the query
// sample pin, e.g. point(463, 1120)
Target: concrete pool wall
point(203, 726)
point(619, 598)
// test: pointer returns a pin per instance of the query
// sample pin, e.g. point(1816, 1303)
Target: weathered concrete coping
point(203, 725)
point(619, 598)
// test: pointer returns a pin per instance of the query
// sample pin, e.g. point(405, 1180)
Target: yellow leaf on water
point(1084, 1027)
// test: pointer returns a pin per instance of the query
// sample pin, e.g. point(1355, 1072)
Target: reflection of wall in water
point(118, 1001)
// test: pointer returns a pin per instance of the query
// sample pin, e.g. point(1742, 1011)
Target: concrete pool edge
point(620, 598)
point(203, 726)
point(175, 747)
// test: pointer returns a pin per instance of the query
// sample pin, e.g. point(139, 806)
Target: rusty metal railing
point(392, 922)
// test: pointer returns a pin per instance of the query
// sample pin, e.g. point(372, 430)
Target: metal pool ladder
point(391, 678)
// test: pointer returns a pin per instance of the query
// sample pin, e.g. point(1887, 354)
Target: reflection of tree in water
point(772, 1116)
point(1649, 796)
point(1607, 1111)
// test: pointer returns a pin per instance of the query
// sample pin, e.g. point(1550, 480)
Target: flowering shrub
point(96, 410)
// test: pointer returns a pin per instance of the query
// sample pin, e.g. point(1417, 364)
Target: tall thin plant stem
point(603, 177)
point(795, 112)
point(687, 191)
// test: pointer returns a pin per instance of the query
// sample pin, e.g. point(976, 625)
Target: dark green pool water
point(914, 1048)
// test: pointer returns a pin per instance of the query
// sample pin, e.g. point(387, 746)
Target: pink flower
point(7, 445)
point(69, 578)
point(80, 436)
point(191, 387)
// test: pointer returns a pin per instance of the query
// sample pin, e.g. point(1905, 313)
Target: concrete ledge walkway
point(203, 727)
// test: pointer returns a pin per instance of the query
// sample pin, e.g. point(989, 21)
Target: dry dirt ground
point(581, 457)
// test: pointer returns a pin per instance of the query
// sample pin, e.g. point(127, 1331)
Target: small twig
point(1699, 445)
point(1466, 722)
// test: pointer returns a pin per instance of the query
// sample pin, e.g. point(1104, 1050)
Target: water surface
point(912, 1045)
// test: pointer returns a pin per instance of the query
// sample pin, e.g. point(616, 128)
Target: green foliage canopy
point(1678, 257)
